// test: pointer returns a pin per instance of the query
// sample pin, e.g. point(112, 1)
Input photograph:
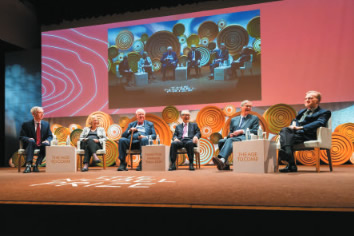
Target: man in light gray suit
point(238, 126)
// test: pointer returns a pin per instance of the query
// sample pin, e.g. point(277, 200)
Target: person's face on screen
point(186, 117)
point(311, 101)
point(140, 116)
point(246, 108)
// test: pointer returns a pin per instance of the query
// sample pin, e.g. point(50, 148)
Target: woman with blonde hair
point(91, 139)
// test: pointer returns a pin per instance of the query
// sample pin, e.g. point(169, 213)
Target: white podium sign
point(60, 159)
point(181, 73)
point(254, 156)
point(220, 73)
point(155, 158)
point(141, 79)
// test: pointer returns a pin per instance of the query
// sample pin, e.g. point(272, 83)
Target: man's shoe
point(172, 167)
point(219, 164)
point(139, 167)
point(122, 167)
point(84, 169)
point(289, 168)
point(28, 169)
point(227, 167)
point(191, 166)
point(35, 168)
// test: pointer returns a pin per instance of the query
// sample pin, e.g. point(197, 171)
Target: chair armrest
point(104, 146)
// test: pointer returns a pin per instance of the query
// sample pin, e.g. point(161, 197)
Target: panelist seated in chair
point(221, 55)
point(138, 131)
point(194, 58)
point(238, 127)
point(244, 57)
point(169, 61)
point(303, 128)
point(91, 140)
point(145, 64)
point(125, 71)
point(35, 134)
point(186, 135)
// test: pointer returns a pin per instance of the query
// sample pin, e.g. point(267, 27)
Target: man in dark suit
point(303, 128)
point(194, 58)
point(169, 61)
point(221, 55)
point(141, 130)
point(35, 134)
point(245, 56)
point(186, 135)
point(125, 71)
point(238, 126)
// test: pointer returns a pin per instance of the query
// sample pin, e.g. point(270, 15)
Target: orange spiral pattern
point(114, 132)
point(279, 116)
point(206, 131)
point(53, 127)
point(111, 153)
point(341, 151)
point(170, 114)
point(62, 133)
point(306, 157)
point(229, 110)
point(75, 136)
point(211, 116)
point(346, 129)
point(104, 119)
point(73, 127)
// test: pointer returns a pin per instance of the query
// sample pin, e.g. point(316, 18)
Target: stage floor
point(203, 188)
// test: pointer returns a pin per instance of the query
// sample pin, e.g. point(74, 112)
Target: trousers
point(123, 146)
point(186, 143)
point(289, 138)
point(90, 148)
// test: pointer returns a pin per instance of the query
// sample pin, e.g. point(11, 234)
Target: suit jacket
point(223, 56)
point(193, 130)
point(198, 56)
point(123, 66)
point(149, 130)
point(101, 133)
point(250, 121)
point(318, 118)
point(164, 56)
point(28, 131)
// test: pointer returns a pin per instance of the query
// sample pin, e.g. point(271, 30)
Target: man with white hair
point(169, 61)
point(186, 135)
point(238, 126)
point(138, 131)
point(35, 134)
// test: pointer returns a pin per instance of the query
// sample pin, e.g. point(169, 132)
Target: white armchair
point(100, 152)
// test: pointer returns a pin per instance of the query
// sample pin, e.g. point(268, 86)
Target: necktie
point(304, 115)
point(38, 135)
point(184, 131)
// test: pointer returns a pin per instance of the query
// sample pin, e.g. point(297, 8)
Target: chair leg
point(19, 163)
point(317, 153)
point(329, 159)
point(104, 161)
point(277, 162)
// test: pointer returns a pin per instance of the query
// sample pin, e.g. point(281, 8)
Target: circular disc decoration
point(208, 29)
point(144, 37)
point(346, 129)
point(182, 39)
point(113, 51)
point(53, 127)
point(279, 116)
point(193, 39)
point(158, 42)
point(215, 137)
point(138, 46)
point(62, 134)
point(114, 132)
point(15, 160)
point(104, 119)
point(211, 116)
point(75, 136)
point(262, 122)
point(257, 45)
point(120, 57)
point(204, 41)
point(206, 151)
point(183, 60)
point(156, 64)
point(254, 28)
point(229, 110)
point(205, 53)
point(235, 38)
point(205, 131)
point(161, 128)
point(341, 151)
point(186, 50)
point(124, 39)
point(306, 158)
point(222, 24)
point(111, 153)
point(170, 114)
point(73, 127)
point(178, 29)
point(133, 59)
point(211, 46)
point(123, 121)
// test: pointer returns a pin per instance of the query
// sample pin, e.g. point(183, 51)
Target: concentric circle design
point(206, 131)
point(124, 40)
point(222, 23)
point(170, 114)
point(205, 54)
point(306, 157)
point(182, 60)
point(105, 120)
point(138, 46)
point(215, 137)
point(204, 41)
point(279, 116)
point(341, 151)
point(15, 159)
point(123, 121)
point(346, 129)
point(178, 29)
point(209, 30)
point(156, 64)
point(193, 39)
point(133, 59)
point(62, 134)
point(235, 38)
point(72, 127)
point(254, 28)
point(211, 116)
point(113, 51)
point(75, 136)
point(182, 39)
point(257, 45)
point(144, 37)
point(111, 153)
point(114, 132)
point(53, 127)
point(206, 151)
point(158, 42)
point(229, 110)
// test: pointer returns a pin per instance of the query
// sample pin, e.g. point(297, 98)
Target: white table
point(155, 158)
point(254, 156)
point(220, 73)
point(60, 159)
point(141, 78)
point(181, 73)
